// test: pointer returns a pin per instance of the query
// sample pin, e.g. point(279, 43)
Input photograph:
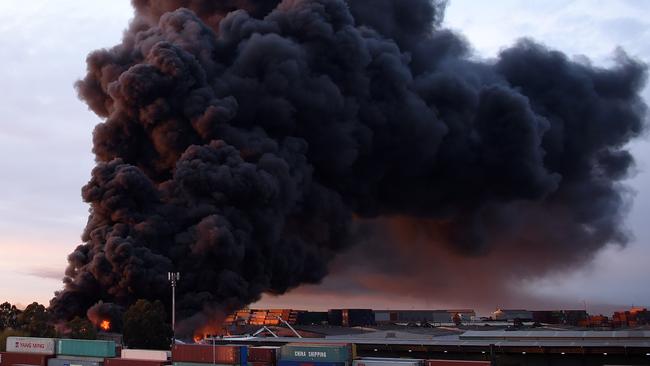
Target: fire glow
point(105, 325)
point(212, 329)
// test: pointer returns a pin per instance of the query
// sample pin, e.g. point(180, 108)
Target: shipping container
point(11, 359)
point(260, 363)
point(46, 346)
point(81, 358)
point(317, 352)
point(227, 354)
point(456, 363)
point(263, 354)
point(82, 347)
point(243, 352)
point(376, 361)
point(351, 317)
point(311, 318)
point(202, 364)
point(382, 316)
point(73, 362)
point(311, 363)
point(132, 362)
point(144, 354)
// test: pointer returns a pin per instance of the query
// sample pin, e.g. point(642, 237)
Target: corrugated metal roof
point(621, 342)
point(559, 339)
point(545, 334)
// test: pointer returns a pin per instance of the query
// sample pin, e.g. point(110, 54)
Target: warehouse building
point(420, 316)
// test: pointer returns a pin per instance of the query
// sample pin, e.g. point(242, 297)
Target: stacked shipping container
point(570, 317)
point(631, 318)
point(80, 352)
point(299, 354)
point(270, 317)
point(85, 348)
point(265, 355)
point(594, 321)
point(139, 357)
point(200, 355)
point(351, 317)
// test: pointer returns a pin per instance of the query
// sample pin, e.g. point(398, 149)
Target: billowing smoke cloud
point(246, 143)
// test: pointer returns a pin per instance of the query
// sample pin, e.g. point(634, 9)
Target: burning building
point(247, 143)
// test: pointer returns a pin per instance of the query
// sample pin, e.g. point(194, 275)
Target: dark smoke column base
point(247, 148)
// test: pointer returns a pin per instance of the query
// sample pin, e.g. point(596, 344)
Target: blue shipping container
point(243, 356)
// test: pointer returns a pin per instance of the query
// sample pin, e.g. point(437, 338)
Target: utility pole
point(173, 277)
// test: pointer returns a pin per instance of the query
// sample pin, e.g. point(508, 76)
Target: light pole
point(173, 277)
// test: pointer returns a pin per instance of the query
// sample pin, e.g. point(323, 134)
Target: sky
point(46, 139)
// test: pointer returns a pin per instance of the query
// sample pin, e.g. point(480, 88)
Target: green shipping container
point(81, 347)
point(316, 352)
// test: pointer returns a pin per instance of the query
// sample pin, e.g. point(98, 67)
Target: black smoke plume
point(245, 143)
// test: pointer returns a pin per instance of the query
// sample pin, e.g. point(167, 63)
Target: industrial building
point(512, 314)
point(347, 317)
point(431, 316)
point(566, 317)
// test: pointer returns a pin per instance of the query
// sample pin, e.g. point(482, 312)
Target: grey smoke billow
point(246, 143)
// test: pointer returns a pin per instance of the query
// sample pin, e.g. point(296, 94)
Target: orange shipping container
point(206, 353)
point(262, 354)
point(11, 359)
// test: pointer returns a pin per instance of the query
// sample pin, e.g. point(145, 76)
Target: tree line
point(144, 325)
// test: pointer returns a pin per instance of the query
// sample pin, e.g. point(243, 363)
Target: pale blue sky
point(45, 132)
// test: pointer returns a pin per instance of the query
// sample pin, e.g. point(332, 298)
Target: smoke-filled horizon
point(247, 143)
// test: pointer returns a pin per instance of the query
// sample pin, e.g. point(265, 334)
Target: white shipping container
point(44, 346)
point(144, 354)
point(377, 361)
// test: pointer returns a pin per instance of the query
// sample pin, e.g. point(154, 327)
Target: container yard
point(471, 348)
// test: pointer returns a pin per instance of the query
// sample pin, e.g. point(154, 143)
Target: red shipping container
point(132, 362)
point(457, 363)
point(262, 354)
point(205, 353)
point(11, 359)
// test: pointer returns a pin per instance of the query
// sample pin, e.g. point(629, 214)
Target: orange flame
point(105, 325)
point(209, 330)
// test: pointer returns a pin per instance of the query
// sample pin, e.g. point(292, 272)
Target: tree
point(145, 326)
point(81, 329)
point(9, 333)
point(36, 321)
point(8, 316)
